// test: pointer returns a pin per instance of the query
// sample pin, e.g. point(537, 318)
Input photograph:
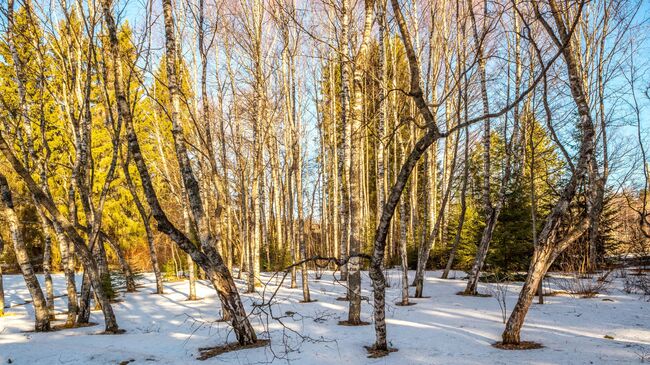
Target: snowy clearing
point(442, 329)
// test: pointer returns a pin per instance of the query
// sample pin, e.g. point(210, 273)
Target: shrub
point(583, 286)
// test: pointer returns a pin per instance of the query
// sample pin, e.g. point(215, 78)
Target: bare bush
point(638, 284)
point(582, 285)
point(499, 290)
point(643, 353)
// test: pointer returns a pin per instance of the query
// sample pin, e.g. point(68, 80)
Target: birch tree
point(41, 312)
point(210, 261)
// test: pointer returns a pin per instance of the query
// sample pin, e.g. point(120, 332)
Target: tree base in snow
point(402, 304)
point(210, 352)
point(64, 326)
point(308, 301)
point(352, 324)
point(462, 293)
point(522, 345)
point(116, 332)
point(374, 353)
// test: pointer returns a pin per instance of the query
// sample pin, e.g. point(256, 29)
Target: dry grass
point(582, 287)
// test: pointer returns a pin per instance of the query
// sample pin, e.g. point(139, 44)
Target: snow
point(442, 329)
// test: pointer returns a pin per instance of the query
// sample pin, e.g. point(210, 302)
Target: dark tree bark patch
point(478, 295)
point(350, 324)
point(375, 353)
point(522, 345)
point(401, 304)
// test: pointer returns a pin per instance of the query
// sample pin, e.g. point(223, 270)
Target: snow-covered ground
point(442, 329)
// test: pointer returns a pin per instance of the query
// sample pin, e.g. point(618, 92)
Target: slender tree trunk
point(533, 203)
point(491, 214)
point(463, 208)
point(47, 264)
point(41, 306)
point(192, 278)
point(67, 261)
point(147, 227)
point(425, 250)
point(42, 321)
point(345, 141)
point(189, 228)
point(481, 254)
point(402, 250)
point(381, 179)
point(301, 223)
point(83, 311)
point(355, 127)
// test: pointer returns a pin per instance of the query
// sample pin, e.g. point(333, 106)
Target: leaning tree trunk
point(208, 259)
point(42, 322)
point(147, 227)
point(549, 248)
point(99, 254)
point(491, 213)
point(421, 146)
point(82, 250)
point(481, 254)
point(539, 265)
point(83, 311)
point(425, 250)
point(403, 254)
point(549, 244)
point(463, 209)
